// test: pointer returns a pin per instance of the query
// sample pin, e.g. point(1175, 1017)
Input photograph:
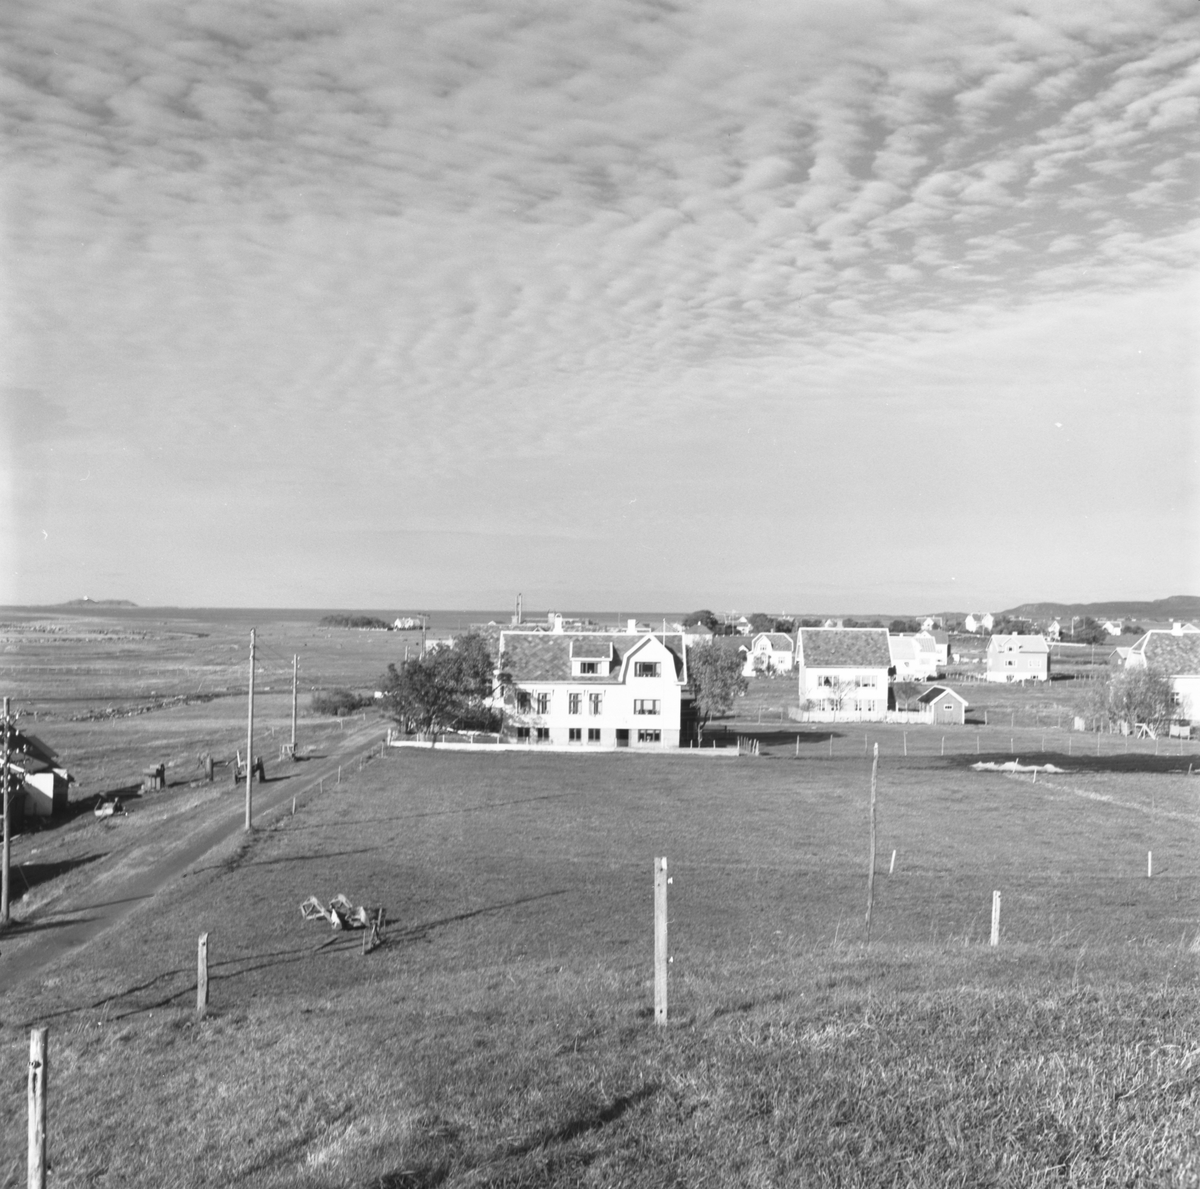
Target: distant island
point(86, 602)
point(355, 621)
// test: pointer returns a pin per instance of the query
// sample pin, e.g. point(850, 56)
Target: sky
point(787, 306)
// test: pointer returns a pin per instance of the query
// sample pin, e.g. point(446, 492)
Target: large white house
point(591, 689)
point(1175, 652)
point(1018, 658)
point(843, 674)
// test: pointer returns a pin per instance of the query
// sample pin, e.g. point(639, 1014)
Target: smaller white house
point(914, 658)
point(1018, 658)
point(1054, 630)
point(979, 623)
point(770, 653)
point(1113, 627)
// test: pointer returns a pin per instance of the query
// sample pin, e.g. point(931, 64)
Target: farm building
point(914, 657)
point(45, 783)
point(1018, 658)
point(1177, 654)
point(618, 689)
point(770, 652)
point(843, 674)
point(944, 705)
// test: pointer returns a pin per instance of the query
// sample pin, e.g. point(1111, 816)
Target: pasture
point(503, 1035)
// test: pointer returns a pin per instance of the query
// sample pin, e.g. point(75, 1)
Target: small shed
point(945, 705)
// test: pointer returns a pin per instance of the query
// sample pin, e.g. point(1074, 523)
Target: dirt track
point(155, 853)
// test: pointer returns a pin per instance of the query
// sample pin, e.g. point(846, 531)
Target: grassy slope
point(503, 1035)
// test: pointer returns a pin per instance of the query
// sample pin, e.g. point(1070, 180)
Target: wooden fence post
point(995, 941)
point(871, 858)
point(202, 975)
point(660, 940)
point(892, 865)
point(39, 1071)
point(1149, 864)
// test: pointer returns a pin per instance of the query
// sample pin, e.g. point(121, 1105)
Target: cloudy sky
point(793, 305)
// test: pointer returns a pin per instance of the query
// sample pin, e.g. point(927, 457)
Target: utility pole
point(250, 737)
point(295, 663)
point(7, 836)
point(424, 626)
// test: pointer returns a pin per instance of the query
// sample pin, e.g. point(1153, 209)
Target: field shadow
point(32, 874)
point(585, 1123)
point(421, 932)
point(1074, 763)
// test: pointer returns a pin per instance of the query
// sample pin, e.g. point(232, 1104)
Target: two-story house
point(914, 657)
point(770, 652)
point(1018, 658)
point(1176, 653)
point(592, 689)
point(843, 674)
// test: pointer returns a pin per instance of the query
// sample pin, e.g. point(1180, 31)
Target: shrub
point(338, 701)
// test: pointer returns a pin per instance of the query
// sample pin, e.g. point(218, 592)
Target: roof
point(779, 641)
point(1168, 652)
point(936, 692)
point(1019, 643)
point(845, 648)
point(546, 656)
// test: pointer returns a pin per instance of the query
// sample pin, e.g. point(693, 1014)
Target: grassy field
point(503, 1035)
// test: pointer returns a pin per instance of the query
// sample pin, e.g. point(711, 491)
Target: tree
point(1134, 696)
point(707, 618)
point(761, 622)
point(443, 689)
point(906, 690)
point(1088, 631)
point(715, 675)
point(784, 624)
point(903, 625)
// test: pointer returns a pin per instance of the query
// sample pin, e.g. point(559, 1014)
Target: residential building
point(946, 707)
point(979, 623)
point(593, 689)
point(1177, 654)
point(770, 652)
point(843, 674)
point(1018, 658)
point(914, 658)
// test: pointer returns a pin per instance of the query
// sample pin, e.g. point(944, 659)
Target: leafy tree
point(1137, 696)
point(715, 675)
point(783, 624)
point(811, 623)
point(760, 622)
point(906, 690)
point(903, 625)
point(337, 701)
point(444, 689)
point(707, 618)
point(1088, 631)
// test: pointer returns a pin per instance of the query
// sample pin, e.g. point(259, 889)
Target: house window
point(595, 703)
point(593, 734)
point(522, 734)
point(1010, 664)
point(646, 668)
point(543, 734)
point(649, 736)
point(522, 701)
point(574, 735)
point(543, 703)
point(574, 703)
point(646, 705)
point(867, 682)
point(825, 681)
point(589, 668)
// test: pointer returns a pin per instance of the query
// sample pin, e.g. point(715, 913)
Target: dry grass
point(503, 1035)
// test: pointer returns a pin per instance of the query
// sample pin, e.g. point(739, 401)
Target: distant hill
point(1175, 607)
point(86, 602)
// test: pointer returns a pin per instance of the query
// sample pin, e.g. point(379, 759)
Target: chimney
point(557, 623)
point(1177, 628)
point(632, 627)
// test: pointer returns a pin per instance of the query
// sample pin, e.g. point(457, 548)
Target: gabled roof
point(845, 648)
point(779, 641)
point(546, 656)
point(936, 692)
point(1169, 653)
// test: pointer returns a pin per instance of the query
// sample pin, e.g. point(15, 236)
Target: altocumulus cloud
point(421, 211)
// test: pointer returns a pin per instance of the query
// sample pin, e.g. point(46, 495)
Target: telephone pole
point(250, 737)
point(7, 837)
point(295, 662)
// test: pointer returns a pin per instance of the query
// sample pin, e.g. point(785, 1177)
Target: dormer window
point(589, 668)
point(647, 669)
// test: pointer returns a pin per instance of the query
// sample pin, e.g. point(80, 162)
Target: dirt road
point(167, 840)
